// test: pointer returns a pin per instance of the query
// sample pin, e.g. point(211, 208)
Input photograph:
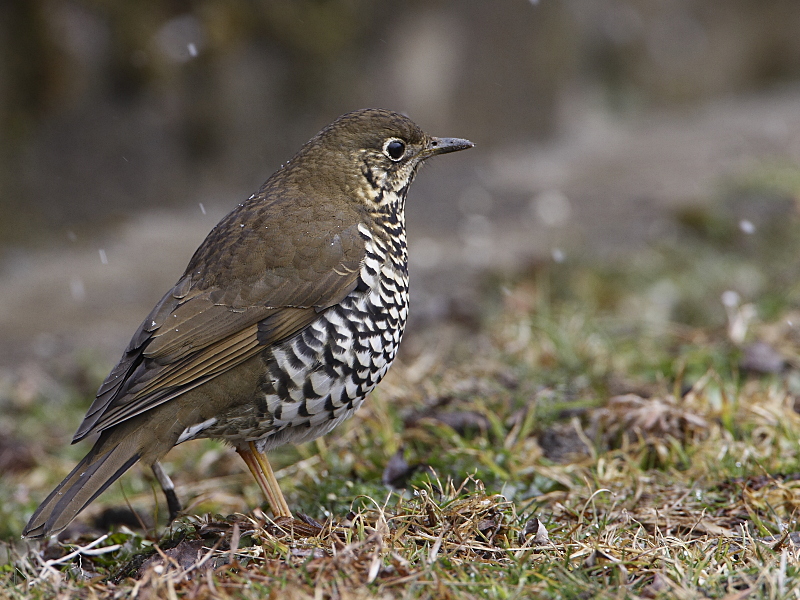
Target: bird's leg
point(250, 460)
point(262, 472)
point(173, 503)
point(266, 468)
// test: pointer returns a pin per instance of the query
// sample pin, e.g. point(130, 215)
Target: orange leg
point(259, 466)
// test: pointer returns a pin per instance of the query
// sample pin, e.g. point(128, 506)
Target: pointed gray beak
point(445, 145)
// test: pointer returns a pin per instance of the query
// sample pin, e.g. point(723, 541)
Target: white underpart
point(190, 432)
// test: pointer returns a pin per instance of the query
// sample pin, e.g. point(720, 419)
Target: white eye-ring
point(394, 148)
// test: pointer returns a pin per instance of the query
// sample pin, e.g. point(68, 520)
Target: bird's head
point(373, 154)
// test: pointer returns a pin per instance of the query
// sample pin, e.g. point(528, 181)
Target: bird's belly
point(318, 378)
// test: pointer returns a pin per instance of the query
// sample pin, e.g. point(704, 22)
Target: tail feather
point(98, 470)
point(147, 437)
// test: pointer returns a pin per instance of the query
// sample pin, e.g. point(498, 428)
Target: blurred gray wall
point(107, 108)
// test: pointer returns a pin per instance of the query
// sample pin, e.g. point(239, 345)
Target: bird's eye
point(394, 149)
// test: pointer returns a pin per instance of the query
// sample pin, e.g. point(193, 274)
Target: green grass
point(606, 401)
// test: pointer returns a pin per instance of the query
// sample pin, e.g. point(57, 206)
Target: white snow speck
point(103, 257)
point(182, 38)
point(730, 298)
point(202, 208)
point(552, 207)
point(747, 227)
point(77, 289)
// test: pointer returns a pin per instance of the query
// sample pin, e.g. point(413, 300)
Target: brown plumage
point(287, 315)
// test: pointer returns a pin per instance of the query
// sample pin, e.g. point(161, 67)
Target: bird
point(287, 316)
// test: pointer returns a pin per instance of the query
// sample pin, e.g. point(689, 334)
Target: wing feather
point(204, 326)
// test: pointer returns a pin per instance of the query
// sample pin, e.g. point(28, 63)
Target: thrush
point(287, 316)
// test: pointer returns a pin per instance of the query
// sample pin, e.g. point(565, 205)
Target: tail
point(114, 453)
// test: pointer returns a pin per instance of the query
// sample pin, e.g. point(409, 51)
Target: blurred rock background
point(127, 129)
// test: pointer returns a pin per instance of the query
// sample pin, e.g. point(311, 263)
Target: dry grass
point(713, 518)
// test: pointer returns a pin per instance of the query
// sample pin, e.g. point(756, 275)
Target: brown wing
point(208, 323)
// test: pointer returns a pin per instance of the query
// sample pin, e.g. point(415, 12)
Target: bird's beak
point(445, 145)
